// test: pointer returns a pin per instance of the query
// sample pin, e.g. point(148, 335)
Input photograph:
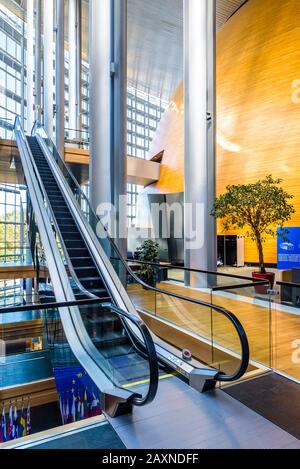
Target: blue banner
point(79, 398)
point(288, 248)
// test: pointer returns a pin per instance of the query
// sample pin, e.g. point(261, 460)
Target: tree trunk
point(261, 256)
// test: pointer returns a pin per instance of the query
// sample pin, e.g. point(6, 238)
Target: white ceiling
point(155, 41)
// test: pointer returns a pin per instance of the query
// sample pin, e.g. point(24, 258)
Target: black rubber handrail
point(288, 284)
point(148, 341)
point(151, 355)
point(245, 354)
point(189, 269)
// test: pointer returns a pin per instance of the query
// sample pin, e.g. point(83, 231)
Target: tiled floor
point(183, 418)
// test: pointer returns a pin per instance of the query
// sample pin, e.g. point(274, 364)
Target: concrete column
point(60, 78)
point(48, 67)
point(199, 106)
point(30, 65)
point(100, 101)
point(108, 117)
point(38, 61)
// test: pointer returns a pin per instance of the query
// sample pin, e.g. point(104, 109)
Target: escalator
point(94, 328)
point(83, 268)
point(108, 332)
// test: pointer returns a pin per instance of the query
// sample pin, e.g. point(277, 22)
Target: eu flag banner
point(79, 397)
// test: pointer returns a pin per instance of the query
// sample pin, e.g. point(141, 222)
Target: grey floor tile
point(183, 418)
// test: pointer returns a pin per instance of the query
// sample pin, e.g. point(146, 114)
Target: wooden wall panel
point(258, 104)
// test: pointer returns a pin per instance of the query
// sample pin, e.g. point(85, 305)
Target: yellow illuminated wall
point(258, 104)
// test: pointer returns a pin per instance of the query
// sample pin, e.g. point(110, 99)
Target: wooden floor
point(271, 333)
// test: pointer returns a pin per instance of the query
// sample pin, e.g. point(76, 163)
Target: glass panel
point(187, 315)
point(226, 346)
point(41, 352)
point(286, 330)
point(191, 318)
point(254, 313)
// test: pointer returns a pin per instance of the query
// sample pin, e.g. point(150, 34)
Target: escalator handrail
point(245, 354)
point(74, 276)
point(148, 341)
point(151, 354)
point(254, 282)
point(57, 230)
point(138, 322)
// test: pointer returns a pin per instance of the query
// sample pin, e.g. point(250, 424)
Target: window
point(11, 28)
point(139, 139)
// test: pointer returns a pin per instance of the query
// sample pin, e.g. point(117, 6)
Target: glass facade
point(144, 113)
point(12, 224)
point(12, 240)
point(12, 64)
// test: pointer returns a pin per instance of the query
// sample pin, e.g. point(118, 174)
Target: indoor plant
point(148, 252)
point(257, 208)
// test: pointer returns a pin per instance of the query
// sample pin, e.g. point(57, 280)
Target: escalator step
point(61, 210)
point(101, 292)
point(74, 251)
point(51, 182)
point(68, 218)
point(58, 203)
point(66, 227)
point(72, 235)
point(91, 282)
point(101, 320)
point(116, 351)
point(74, 244)
point(110, 340)
point(81, 261)
point(54, 193)
point(82, 272)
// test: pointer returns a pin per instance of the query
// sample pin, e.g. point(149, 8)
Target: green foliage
point(258, 208)
point(9, 236)
point(148, 252)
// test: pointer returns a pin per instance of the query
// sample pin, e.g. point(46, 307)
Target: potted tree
point(258, 209)
point(148, 252)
